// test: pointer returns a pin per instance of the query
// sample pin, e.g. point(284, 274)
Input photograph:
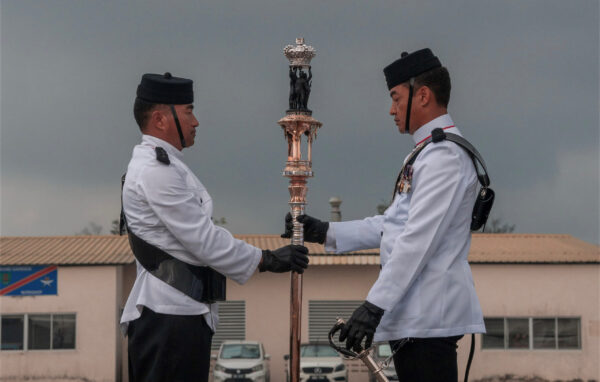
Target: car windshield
point(231, 351)
point(384, 350)
point(317, 351)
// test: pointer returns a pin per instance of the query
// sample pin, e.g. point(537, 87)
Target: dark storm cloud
point(525, 92)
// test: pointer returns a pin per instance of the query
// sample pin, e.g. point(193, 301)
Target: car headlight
point(257, 367)
point(340, 367)
point(219, 367)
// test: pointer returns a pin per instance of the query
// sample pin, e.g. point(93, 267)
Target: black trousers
point(166, 347)
point(427, 360)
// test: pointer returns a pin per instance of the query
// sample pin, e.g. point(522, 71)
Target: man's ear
point(424, 96)
point(158, 119)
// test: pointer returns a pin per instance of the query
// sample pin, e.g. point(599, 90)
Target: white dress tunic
point(425, 285)
point(168, 207)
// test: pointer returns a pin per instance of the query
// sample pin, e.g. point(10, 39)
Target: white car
point(320, 363)
point(241, 361)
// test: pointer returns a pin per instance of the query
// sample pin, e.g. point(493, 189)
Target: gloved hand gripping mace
point(364, 356)
point(298, 122)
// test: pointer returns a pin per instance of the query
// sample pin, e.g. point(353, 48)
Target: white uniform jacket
point(425, 285)
point(167, 206)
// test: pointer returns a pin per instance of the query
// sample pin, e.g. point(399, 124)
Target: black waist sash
point(203, 284)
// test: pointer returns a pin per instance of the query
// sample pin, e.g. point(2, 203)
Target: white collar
point(443, 121)
point(157, 142)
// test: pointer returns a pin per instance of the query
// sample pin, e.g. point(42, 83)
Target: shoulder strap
point(438, 135)
point(484, 179)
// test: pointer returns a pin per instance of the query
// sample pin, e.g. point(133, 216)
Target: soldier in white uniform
point(425, 289)
point(182, 258)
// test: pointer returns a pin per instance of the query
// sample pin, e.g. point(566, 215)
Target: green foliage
point(91, 229)
point(114, 227)
point(381, 207)
point(220, 221)
point(497, 226)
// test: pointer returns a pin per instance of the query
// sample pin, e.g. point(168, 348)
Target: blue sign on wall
point(28, 280)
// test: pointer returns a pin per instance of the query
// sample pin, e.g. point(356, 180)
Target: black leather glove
point(315, 231)
point(363, 323)
point(285, 259)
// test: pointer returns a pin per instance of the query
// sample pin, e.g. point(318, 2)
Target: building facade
point(539, 294)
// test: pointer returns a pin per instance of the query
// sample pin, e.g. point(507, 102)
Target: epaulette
point(162, 156)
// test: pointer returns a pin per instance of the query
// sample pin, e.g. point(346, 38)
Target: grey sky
point(525, 91)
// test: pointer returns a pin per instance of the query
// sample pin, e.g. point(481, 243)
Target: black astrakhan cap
point(410, 65)
point(165, 89)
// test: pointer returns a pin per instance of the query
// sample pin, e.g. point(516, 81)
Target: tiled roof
point(65, 250)
point(485, 249)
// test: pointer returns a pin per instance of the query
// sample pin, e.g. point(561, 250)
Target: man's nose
point(392, 110)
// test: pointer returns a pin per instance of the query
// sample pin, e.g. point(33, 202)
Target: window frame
point(531, 334)
point(25, 337)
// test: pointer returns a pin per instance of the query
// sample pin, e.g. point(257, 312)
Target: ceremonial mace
point(298, 122)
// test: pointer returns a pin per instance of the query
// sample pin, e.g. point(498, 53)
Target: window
point(532, 333)
point(518, 333)
point(12, 333)
point(494, 338)
point(569, 333)
point(543, 333)
point(41, 331)
point(63, 331)
point(317, 350)
point(246, 351)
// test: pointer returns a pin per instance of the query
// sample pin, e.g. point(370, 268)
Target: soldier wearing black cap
point(424, 292)
point(182, 258)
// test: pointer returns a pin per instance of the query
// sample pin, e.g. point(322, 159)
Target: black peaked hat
point(410, 65)
point(165, 89)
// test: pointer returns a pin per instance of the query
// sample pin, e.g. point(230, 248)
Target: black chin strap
point(408, 107)
point(178, 125)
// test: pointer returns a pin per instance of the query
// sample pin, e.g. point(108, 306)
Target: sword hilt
point(364, 356)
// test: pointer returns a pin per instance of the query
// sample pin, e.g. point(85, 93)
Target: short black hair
point(141, 111)
point(438, 80)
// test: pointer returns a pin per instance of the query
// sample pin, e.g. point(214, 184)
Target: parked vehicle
point(241, 361)
point(320, 363)
point(381, 353)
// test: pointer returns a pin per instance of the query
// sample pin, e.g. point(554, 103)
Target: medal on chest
point(405, 182)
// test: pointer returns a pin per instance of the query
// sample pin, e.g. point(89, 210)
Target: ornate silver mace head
point(299, 55)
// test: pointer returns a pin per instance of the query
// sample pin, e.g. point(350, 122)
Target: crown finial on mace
point(300, 54)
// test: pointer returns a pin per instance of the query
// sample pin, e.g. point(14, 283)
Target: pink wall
point(92, 293)
point(89, 292)
point(539, 291)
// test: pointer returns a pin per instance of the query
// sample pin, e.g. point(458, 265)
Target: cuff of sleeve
point(380, 298)
point(330, 244)
point(253, 267)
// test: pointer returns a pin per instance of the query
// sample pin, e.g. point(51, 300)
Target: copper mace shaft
point(297, 184)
